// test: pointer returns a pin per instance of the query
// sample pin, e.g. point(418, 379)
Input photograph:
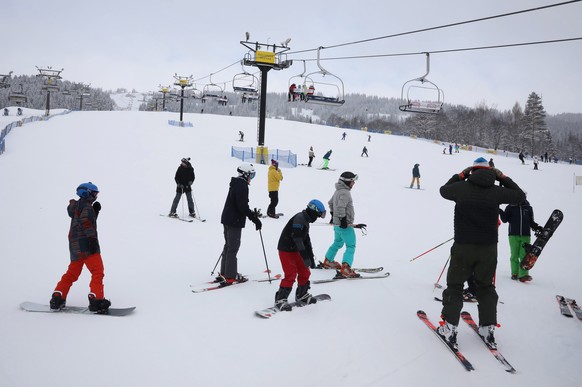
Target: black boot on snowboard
point(302, 294)
point(281, 302)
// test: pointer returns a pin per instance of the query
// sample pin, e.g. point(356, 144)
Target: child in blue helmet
point(84, 250)
point(296, 255)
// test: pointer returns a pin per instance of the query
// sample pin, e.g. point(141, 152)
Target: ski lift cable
point(444, 51)
point(440, 27)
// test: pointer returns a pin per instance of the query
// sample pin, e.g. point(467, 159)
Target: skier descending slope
point(296, 255)
point(474, 251)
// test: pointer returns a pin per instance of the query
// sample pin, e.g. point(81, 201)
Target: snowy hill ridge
point(368, 335)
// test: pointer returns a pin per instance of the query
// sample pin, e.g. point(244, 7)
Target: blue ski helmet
point(318, 207)
point(87, 189)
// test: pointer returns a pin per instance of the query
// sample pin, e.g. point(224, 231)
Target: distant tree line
point(68, 97)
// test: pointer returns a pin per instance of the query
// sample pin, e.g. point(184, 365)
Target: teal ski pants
point(343, 236)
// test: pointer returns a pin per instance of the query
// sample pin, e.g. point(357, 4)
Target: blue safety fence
point(180, 123)
point(21, 122)
point(286, 158)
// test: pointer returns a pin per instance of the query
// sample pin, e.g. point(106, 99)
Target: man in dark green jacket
point(477, 201)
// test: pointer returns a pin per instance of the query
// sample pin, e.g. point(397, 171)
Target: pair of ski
point(567, 306)
point(215, 285)
point(359, 270)
point(188, 220)
point(466, 316)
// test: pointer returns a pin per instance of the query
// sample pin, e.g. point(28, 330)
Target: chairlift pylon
point(324, 93)
point(419, 95)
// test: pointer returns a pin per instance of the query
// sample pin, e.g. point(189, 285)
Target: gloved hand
point(344, 222)
point(465, 173)
point(257, 222)
point(96, 208)
point(498, 174)
point(181, 187)
point(308, 258)
point(331, 220)
point(360, 225)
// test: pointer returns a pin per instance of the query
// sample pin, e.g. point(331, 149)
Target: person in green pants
point(521, 220)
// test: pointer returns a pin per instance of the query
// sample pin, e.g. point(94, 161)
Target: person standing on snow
point(311, 156)
point(326, 158)
point(236, 210)
point(364, 152)
point(296, 255)
point(184, 179)
point(341, 207)
point(521, 219)
point(84, 250)
point(274, 178)
point(415, 176)
point(474, 251)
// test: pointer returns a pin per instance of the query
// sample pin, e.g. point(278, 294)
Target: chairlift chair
point(4, 84)
point(212, 90)
point(245, 82)
point(330, 92)
point(299, 81)
point(419, 95)
point(18, 97)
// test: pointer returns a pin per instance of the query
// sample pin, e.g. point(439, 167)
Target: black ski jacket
point(236, 208)
point(184, 178)
point(520, 218)
point(477, 204)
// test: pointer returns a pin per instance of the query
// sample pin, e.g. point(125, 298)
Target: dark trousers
point(274, 196)
point(481, 261)
point(310, 160)
point(229, 263)
point(177, 200)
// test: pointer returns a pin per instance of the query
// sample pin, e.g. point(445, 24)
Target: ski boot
point(173, 215)
point(487, 332)
point(347, 272)
point(302, 295)
point(281, 302)
point(99, 306)
point(327, 264)
point(192, 215)
point(57, 301)
point(239, 278)
point(449, 331)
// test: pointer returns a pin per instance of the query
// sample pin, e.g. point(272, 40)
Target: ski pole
point(195, 205)
point(265, 254)
point(436, 284)
point(219, 257)
point(428, 251)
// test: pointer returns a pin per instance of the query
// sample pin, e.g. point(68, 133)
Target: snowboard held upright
point(534, 250)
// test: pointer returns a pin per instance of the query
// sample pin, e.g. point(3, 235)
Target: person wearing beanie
point(341, 207)
point(296, 255)
point(274, 178)
point(474, 251)
point(184, 179)
point(84, 250)
point(311, 155)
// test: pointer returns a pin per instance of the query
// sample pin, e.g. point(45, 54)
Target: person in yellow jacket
point(274, 180)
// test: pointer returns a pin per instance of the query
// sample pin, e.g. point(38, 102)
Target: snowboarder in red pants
point(296, 255)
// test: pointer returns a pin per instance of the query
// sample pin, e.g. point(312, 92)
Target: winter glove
point(465, 173)
point(360, 225)
point(344, 222)
point(93, 245)
point(308, 259)
point(257, 222)
point(96, 208)
point(498, 174)
point(331, 220)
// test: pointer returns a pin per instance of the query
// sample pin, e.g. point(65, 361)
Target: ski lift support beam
point(182, 82)
point(267, 56)
point(50, 75)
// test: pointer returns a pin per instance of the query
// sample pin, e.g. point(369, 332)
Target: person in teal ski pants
point(341, 207)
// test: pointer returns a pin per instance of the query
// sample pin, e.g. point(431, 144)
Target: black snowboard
point(532, 252)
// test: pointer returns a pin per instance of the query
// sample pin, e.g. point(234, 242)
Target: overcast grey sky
point(141, 44)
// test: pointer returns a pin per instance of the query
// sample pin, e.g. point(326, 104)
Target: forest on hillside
point(524, 128)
